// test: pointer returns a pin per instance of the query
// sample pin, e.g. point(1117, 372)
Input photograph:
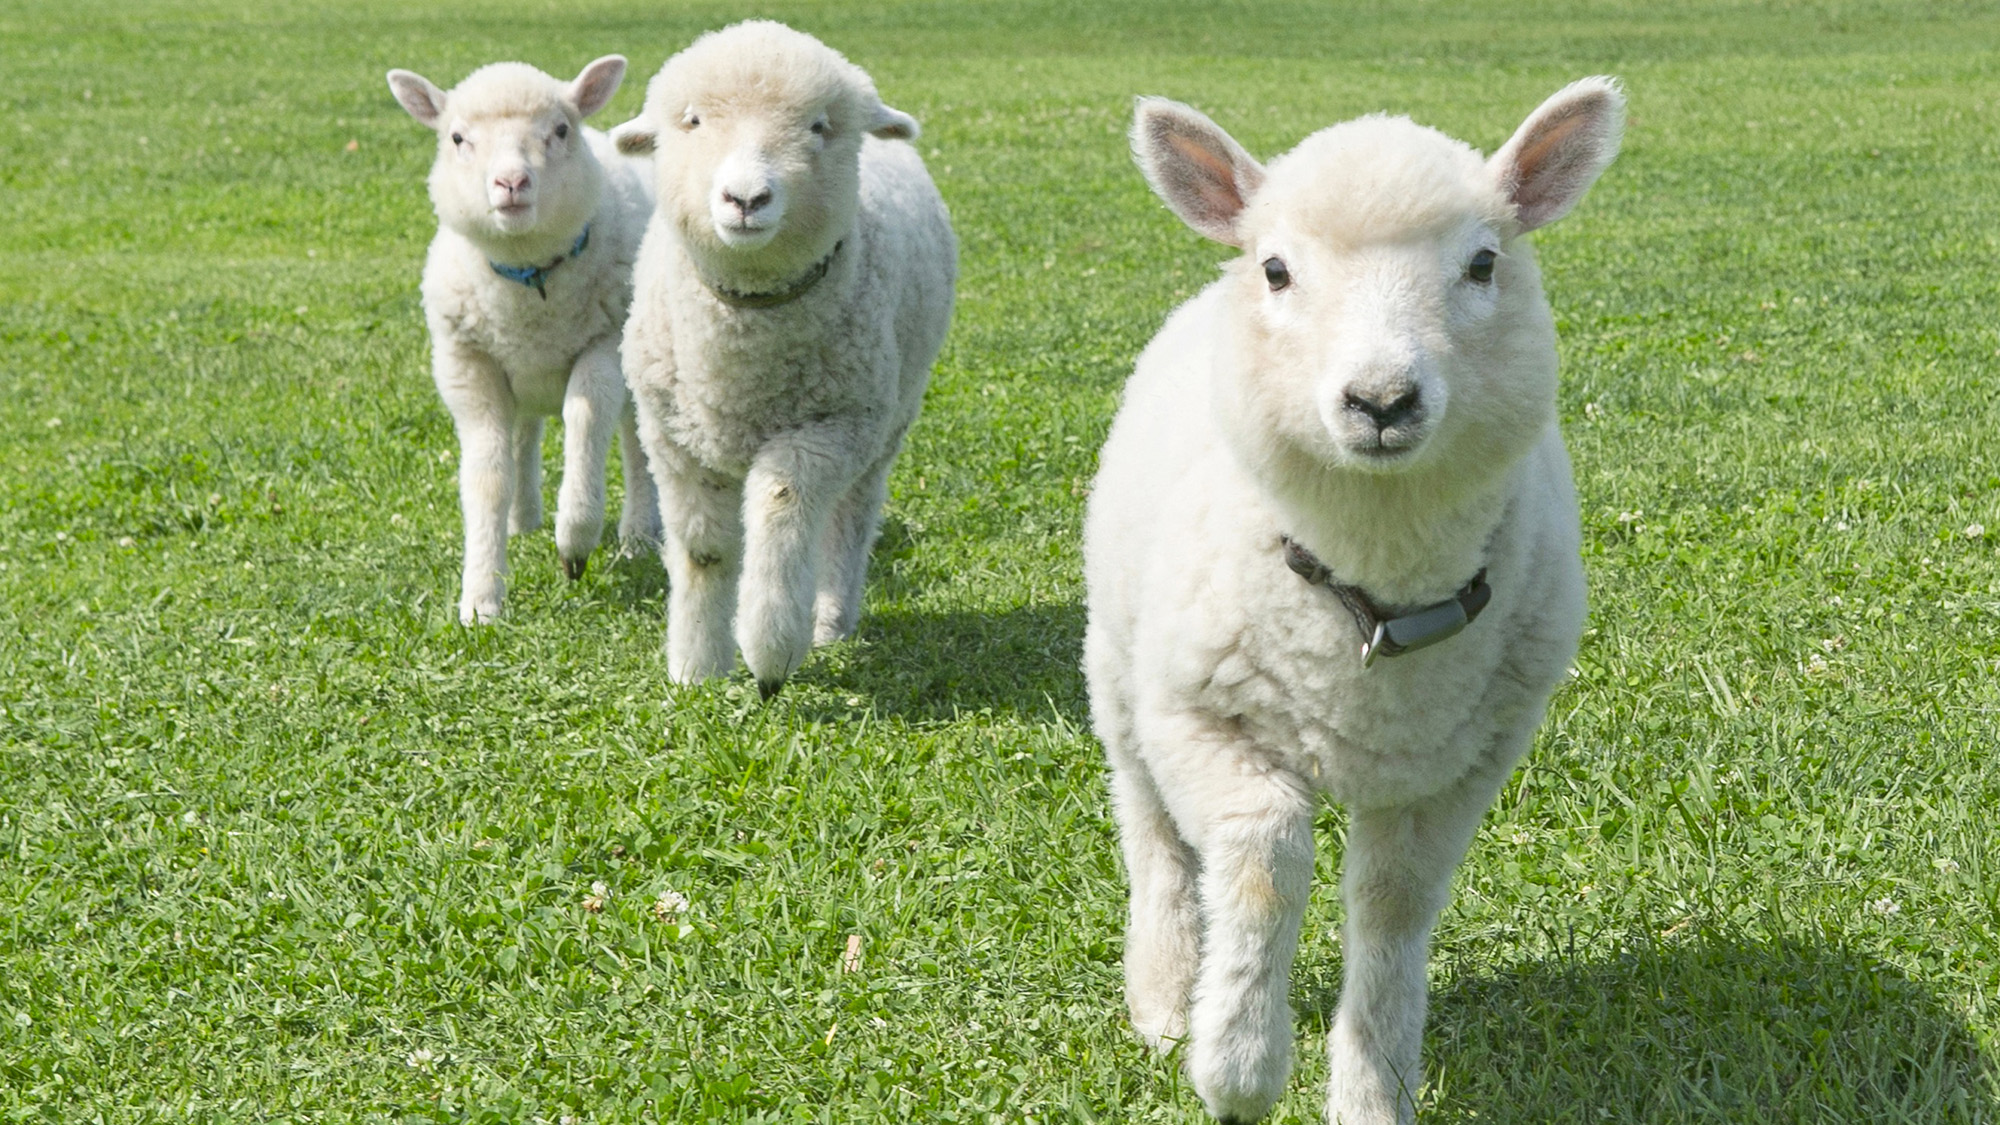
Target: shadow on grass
point(939, 665)
point(637, 581)
point(1716, 1029)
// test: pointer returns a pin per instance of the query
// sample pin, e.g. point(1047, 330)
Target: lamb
point(1351, 436)
point(525, 291)
point(792, 291)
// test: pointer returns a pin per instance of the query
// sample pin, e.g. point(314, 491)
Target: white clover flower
point(669, 904)
point(1885, 906)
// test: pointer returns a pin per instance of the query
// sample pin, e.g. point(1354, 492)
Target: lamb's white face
point(1385, 315)
point(496, 170)
point(745, 172)
point(757, 132)
point(1370, 343)
point(512, 158)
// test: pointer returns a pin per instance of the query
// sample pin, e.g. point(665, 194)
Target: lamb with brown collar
point(794, 287)
point(1327, 465)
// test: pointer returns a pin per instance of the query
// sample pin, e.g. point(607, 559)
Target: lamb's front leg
point(701, 515)
point(593, 405)
point(1251, 824)
point(850, 533)
point(1163, 922)
point(475, 390)
point(1399, 865)
point(795, 483)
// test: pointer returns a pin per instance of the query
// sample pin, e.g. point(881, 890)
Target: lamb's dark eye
point(691, 121)
point(1481, 267)
point(458, 138)
point(819, 127)
point(1276, 273)
point(562, 130)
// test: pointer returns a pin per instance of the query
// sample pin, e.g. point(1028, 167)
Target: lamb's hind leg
point(850, 535)
point(1399, 866)
point(639, 521)
point(526, 513)
point(1251, 824)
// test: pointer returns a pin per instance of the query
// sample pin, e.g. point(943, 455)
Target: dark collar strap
point(1384, 634)
point(537, 277)
point(783, 295)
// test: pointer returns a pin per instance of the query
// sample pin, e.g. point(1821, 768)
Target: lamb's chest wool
point(1324, 463)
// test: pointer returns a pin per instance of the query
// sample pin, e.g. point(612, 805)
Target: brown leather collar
point(1384, 633)
point(784, 294)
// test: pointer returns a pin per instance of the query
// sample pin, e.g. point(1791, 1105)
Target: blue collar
point(535, 277)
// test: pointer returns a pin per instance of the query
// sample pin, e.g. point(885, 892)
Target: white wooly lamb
point(525, 292)
point(794, 287)
point(1354, 427)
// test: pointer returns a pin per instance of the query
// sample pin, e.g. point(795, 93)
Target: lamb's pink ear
point(596, 84)
point(1202, 173)
point(1558, 152)
point(636, 137)
point(424, 101)
point(892, 124)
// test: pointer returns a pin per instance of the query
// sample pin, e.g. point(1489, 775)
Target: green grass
point(280, 841)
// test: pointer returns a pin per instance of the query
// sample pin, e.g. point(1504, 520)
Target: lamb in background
point(793, 289)
point(1327, 463)
point(525, 292)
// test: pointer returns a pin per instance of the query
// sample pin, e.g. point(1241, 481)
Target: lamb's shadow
point(635, 580)
point(936, 666)
point(1717, 1029)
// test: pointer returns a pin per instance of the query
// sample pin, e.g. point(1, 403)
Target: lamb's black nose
point(1386, 407)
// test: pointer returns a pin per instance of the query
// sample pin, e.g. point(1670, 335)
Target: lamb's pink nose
point(512, 184)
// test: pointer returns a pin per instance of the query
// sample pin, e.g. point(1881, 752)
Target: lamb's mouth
point(1386, 448)
point(744, 233)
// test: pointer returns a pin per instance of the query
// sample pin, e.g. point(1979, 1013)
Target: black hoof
point(769, 688)
point(574, 567)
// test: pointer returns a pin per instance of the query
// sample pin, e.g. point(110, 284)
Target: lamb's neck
point(528, 249)
point(1406, 538)
point(774, 267)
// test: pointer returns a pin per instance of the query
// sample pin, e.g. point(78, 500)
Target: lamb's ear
point(636, 137)
point(1202, 173)
point(1558, 152)
point(424, 101)
point(892, 124)
point(596, 84)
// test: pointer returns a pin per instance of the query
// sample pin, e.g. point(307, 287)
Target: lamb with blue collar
point(525, 292)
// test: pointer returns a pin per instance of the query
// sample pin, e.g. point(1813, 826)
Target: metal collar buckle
point(1385, 635)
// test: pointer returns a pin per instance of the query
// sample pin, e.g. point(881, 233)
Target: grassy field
point(280, 841)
